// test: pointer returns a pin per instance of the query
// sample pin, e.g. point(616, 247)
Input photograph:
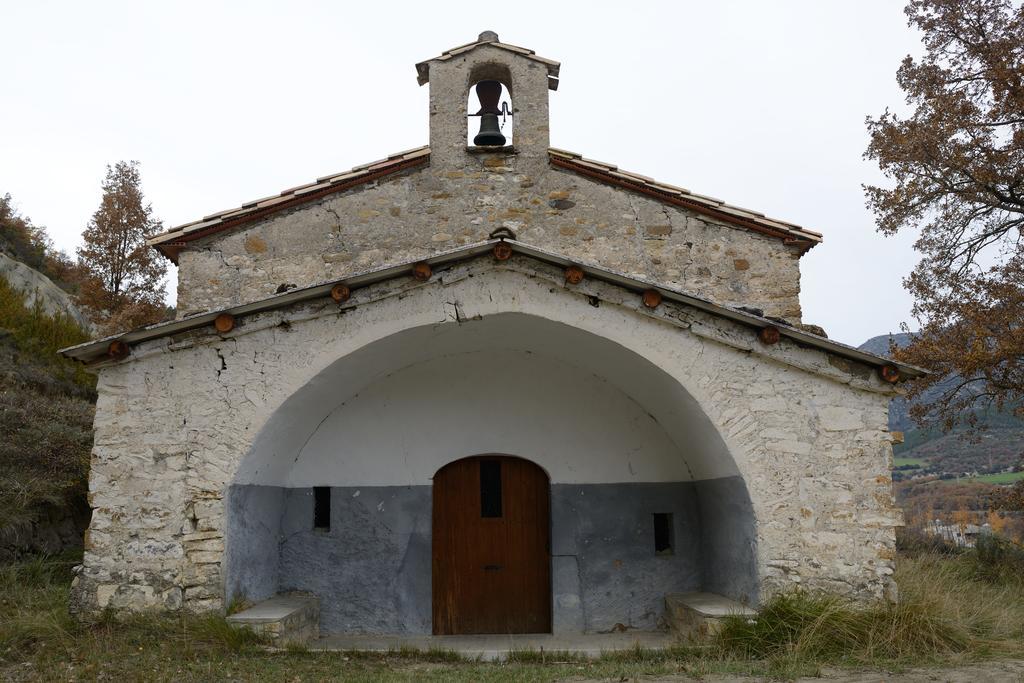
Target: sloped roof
point(96, 351)
point(171, 242)
point(679, 196)
point(488, 38)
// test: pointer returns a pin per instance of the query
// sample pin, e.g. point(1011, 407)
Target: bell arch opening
point(489, 105)
point(632, 459)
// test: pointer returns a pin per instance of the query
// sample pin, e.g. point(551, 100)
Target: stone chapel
point(486, 386)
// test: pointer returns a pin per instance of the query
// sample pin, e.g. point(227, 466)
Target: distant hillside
point(991, 454)
point(899, 417)
point(881, 344)
point(46, 411)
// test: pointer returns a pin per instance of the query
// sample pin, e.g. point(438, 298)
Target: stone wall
point(429, 210)
point(805, 431)
point(466, 193)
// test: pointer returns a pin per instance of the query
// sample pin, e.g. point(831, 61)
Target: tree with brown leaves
point(956, 163)
point(1011, 498)
point(125, 285)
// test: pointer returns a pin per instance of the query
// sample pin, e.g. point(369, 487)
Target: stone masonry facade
point(175, 418)
point(463, 195)
point(808, 431)
point(433, 209)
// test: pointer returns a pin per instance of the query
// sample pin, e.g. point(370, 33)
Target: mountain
point(992, 454)
point(899, 415)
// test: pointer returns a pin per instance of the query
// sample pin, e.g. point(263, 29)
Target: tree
point(125, 286)
point(31, 245)
point(24, 241)
point(1011, 498)
point(956, 163)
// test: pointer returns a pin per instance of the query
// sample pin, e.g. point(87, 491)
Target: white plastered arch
point(662, 369)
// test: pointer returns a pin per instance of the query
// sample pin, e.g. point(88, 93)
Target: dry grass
point(953, 609)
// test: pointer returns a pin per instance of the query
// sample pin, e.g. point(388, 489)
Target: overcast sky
point(761, 104)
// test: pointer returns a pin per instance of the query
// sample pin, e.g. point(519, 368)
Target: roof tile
point(400, 160)
point(423, 68)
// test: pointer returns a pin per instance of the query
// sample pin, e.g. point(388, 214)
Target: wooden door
point(491, 537)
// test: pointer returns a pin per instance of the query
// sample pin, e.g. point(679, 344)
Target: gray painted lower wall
point(372, 568)
point(728, 539)
point(252, 542)
point(606, 531)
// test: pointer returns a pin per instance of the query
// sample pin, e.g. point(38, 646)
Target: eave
point(171, 243)
point(98, 351)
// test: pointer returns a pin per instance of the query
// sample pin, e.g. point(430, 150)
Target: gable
point(171, 242)
point(406, 208)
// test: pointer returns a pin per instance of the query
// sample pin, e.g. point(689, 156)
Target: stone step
point(290, 618)
point(696, 616)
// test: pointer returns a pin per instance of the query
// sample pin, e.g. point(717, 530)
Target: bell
point(489, 92)
point(490, 134)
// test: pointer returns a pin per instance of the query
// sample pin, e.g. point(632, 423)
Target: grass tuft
point(945, 613)
point(542, 656)
point(953, 608)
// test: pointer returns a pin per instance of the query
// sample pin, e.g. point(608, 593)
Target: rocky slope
point(46, 409)
point(39, 288)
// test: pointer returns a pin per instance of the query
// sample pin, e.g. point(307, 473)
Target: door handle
point(492, 567)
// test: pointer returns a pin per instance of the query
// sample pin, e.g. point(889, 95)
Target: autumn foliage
point(124, 286)
point(956, 166)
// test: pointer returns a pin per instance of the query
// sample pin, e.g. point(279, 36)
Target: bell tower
point(484, 66)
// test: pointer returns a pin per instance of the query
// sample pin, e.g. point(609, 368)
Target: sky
point(761, 104)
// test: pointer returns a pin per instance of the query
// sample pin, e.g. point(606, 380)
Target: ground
point(961, 620)
point(295, 667)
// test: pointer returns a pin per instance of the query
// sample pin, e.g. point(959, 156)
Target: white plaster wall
point(175, 421)
point(403, 428)
point(648, 416)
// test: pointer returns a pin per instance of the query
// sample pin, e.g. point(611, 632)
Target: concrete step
point(499, 648)
point(290, 618)
point(697, 616)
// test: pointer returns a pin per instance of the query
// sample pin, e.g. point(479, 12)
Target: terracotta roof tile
point(249, 205)
point(423, 68)
point(701, 203)
point(669, 188)
point(564, 153)
point(171, 242)
point(632, 176)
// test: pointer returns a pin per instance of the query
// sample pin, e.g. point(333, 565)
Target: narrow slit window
point(321, 507)
point(490, 488)
point(663, 535)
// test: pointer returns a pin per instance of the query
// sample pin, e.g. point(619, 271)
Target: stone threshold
point(283, 619)
point(498, 647)
point(696, 616)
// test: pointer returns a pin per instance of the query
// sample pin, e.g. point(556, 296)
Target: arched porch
point(629, 452)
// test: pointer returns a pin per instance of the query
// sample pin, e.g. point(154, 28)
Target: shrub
point(914, 541)
point(997, 559)
point(38, 336)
